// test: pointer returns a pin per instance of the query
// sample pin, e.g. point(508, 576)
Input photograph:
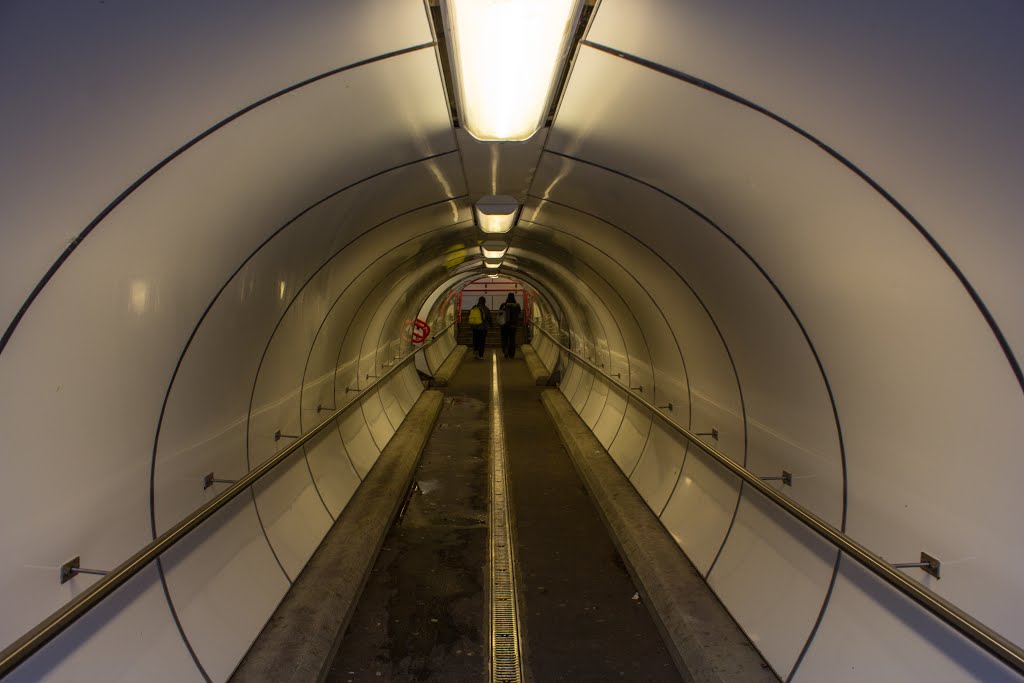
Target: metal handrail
point(991, 641)
point(25, 646)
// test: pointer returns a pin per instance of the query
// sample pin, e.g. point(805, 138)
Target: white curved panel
point(583, 388)
point(359, 443)
point(935, 101)
point(291, 510)
point(94, 647)
point(84, 466)
point(126, 282)
point(391, 402)
point(632, 437)
point(550, 356)
point(609, 422)
point(640, 376)
point(435, 355)
point(572, 374)
point(595, 401)
point(403, 390)
point(332, 471)
point(292, 513)
point(701, 509)
point(871, 632)
point(224, 348)
point(861, 266)
point(413, 383)
point(635, 316)
point(790, 423)
point(656, 474)
point(225, 583)
point(130, 117)
point(773, 576)
point(372, 407)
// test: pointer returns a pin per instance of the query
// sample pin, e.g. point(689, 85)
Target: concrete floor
point(579, 618)
point(423, 613)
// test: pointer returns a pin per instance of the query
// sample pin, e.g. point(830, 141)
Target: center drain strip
point(506, 666)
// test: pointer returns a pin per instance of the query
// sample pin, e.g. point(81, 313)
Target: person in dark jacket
point(479, 321)
point(510, 317)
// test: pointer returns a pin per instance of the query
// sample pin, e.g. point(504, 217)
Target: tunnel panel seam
point(789, 307)
point(675, 340)
point(195, 331)
point(284, 313)
point(177, 622)
point(639, 327)
point(77, 241)
point(732, 363)
point(979, 303)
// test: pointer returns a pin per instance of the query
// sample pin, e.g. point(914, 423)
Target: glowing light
point(507, 56)
point(493, 249)
point(280, 290)
point(138, 296)
point(492, 263)
point(496, 213)
point(492, 275)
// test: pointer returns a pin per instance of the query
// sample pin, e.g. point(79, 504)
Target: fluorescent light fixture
point(507, 56)
point(493, 249)
point(496, 213)
point(492, 275)
point(492, 263)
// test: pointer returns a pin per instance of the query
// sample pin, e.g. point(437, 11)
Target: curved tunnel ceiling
point(798, 227)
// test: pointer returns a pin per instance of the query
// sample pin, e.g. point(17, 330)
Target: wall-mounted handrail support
point(713, 434)
point(928, 564)
point(72, 568)
point(209, 481)
point(1000, 647)
point(669, 407)
point(278, 436)
point(31, 642)
point(786, 478)
point(321, 407)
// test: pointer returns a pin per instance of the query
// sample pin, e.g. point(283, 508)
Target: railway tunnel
point(789, 230)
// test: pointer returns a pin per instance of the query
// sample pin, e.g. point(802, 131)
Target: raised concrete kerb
point(301, 638)
point(707, 645)
point(541, 375)
point(450, 366)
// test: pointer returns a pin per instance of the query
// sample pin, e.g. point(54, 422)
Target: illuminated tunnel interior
point(798, 224)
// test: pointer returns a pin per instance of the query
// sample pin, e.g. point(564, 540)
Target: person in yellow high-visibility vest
point(479, 321)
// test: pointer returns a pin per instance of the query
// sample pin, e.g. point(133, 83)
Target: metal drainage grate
point(506, 666)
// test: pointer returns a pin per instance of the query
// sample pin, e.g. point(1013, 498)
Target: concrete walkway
point(422, 615)
point(580, 619)
point(300, 637)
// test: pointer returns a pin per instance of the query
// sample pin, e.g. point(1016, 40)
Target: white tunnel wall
point(898, 300)
point(149, 270)
point(779, 559)
point(797, 226)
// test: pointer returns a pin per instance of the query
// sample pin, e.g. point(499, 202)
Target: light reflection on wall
point(138, 296)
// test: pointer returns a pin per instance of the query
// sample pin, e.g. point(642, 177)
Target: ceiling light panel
point(493, 249)
point(507, 56)
point(496, 213)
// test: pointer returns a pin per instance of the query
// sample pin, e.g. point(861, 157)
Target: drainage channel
point(506, 664)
